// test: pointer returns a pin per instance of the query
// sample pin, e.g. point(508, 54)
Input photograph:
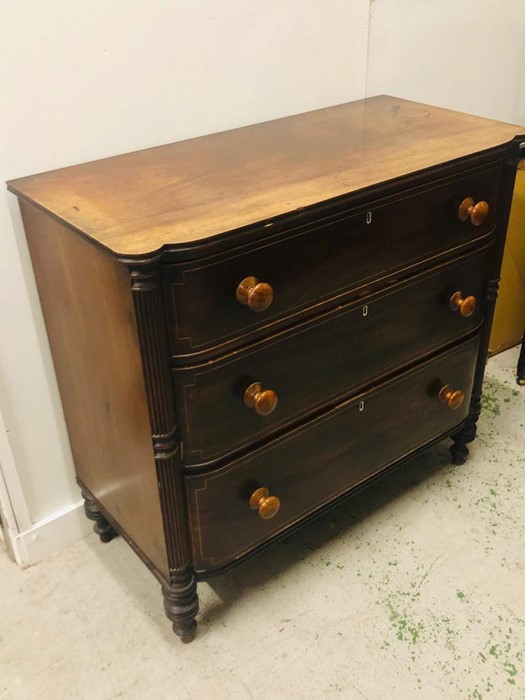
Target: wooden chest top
point(134, 204)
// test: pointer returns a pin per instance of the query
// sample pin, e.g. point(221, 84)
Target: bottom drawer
point(317, 462)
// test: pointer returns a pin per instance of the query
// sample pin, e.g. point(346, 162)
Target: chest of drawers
point(250, 326)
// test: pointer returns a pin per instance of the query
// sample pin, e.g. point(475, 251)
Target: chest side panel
point(88, 309)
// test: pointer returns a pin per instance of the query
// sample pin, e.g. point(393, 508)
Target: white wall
point(83, 79)
point(460, 54)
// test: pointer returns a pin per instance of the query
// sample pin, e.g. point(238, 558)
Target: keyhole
point(368, 217)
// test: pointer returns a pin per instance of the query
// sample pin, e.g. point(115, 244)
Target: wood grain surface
point(136, 203)
point(88, 310)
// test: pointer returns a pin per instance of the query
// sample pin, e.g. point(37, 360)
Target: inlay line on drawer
point(319, 362)
point(321, 265)
point(352, 442)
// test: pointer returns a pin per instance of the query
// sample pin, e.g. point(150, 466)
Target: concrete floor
point(415, 589)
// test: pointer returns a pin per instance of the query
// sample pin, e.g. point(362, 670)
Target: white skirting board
point(28, 542)
point(51, 535)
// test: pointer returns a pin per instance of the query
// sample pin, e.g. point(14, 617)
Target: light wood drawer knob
point(256, 295)
point(466, 306)
point(453, 399)
point(268, 506)
point(476, 212)
point(264, 401)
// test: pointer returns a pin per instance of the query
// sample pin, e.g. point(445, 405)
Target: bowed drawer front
point(250, 326)
point(296, 272)
point(352, 442)
point(326, 358)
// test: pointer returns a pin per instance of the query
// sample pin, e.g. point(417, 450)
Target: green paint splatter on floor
point(489, 402)
point(510, 669)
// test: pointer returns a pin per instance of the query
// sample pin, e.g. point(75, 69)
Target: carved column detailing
point(492, 290)
point(144, 279)
point(459, 449)
point(151, 322)
point(492, 295)
point(153, 338)
point(165, 446)
point(182, 605)
point(173, 512)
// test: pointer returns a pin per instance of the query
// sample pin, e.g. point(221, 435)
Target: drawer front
point(320, 265)
point(310, 466)
point(325, 359)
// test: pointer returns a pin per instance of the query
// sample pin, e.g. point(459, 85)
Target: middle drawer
point(243, 397)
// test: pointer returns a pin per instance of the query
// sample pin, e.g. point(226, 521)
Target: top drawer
point(319, 265)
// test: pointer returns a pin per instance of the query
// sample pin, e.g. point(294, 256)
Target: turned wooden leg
point(459, 449)
point(101, 525)
point(521, 364)
point(181, 604)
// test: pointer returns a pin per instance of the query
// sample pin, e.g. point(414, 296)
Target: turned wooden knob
point(256, 295)
point(454, 399)
point(264, 401)
point(476, 212)
point(268, 506)
point(466, 307)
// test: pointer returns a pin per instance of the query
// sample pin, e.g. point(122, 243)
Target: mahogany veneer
point(249, 326)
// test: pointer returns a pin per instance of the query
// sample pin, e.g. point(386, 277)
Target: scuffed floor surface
point(415, 589)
